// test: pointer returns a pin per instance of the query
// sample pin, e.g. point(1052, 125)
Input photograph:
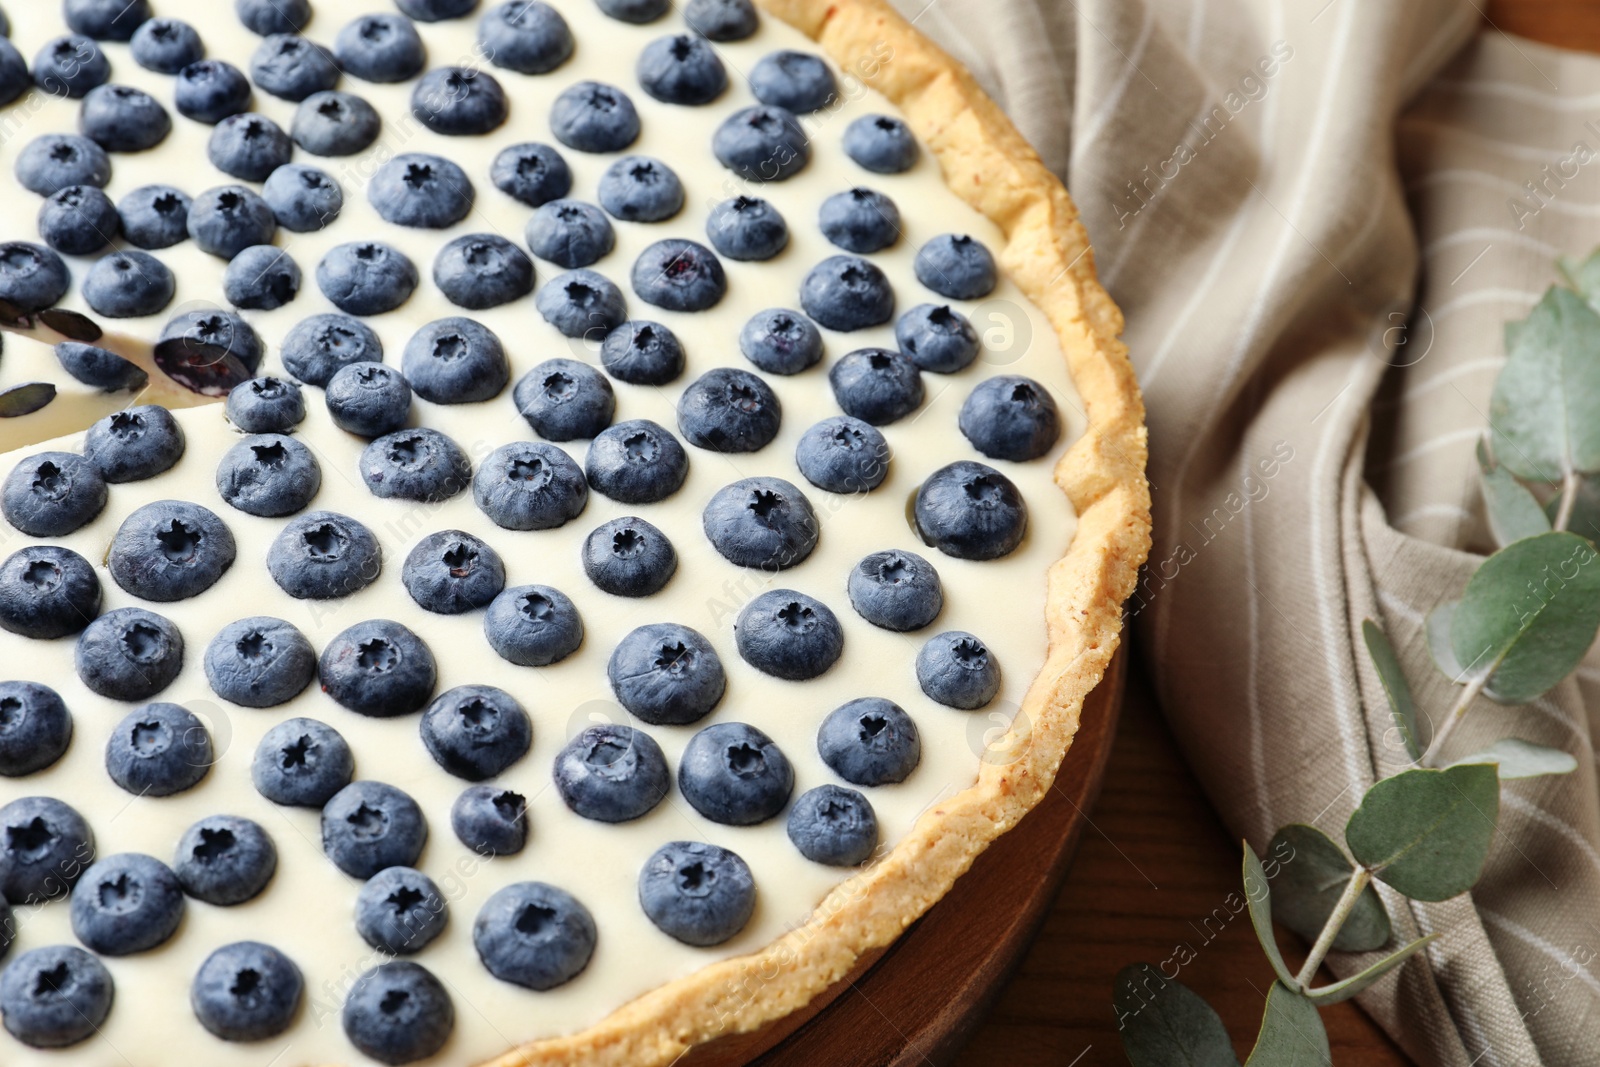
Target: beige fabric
point(1266, 222)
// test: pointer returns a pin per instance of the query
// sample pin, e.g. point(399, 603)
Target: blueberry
point(532, 173)
point(435, 10)
point(762, 144)
point(641, 352)
point(452, 572)
point(55, 996)
point(937, 338)
point(422, 191)
point(134, 444)
point(795, 81)
point(291, 67)
point(421, 465)
point(31, 276)
point(570, 233)
point(303, 199)
point(896, 590)
point(455, 361)
point(491, 821)
point(158, 750)
point(366, 278)
point(955, 668)
point(248, 146)
point(789, 635)
point(268, 475)
point(369, 826)
point(459, 102)
point(636, 462)
point(53, 161)
point(629, 557)
point(155, 216)
point(1010, 417)
point(166, 45)
point(398, 1012)
point(640, 189)
point(876, 385)
point(529, 485)
point(78, 220)
point(526, 36)
point(52, 494)
point(534, 935)
point(260, 662)
point(733, 773)
point(129, 654)
point(870, 741)
point(667, 674)
point(860, 220)
point(379, 669)
point(266, 17)
point(319, 347)
point(368, 399)
point(761, 522)
point(266, 405)
point(225, 860)
point(594, 117)
point(247, 991)
point(971, 511)
point(35, 729)
point(120, 118)
point(128, 284)
point(14, 77)
point(843, 455)
point(847, 293)
point(612, 773)
point(533, 626)
point(261, 278)
point(697, 893)
point(209, 90)
point(70, 66)
point(956, 266)
point(43, 851)
point(834, 825)
point(476, 731)
point(208, 352)
point(747, 228)
point(226, 220)
point(638, 11)
point(332, 123)
point(380, 48)
point(170, 550)
point(781, 341)
point(301, 762)
point(721, 20)
point(324, 556)
point(729, 410)
point(100, 368)
point(881, 144)
point(47, 592)
point(681, 70)
point(679, 275)
point(482, 270)
point(400, 910)
point(564, 400)
point(105, 20)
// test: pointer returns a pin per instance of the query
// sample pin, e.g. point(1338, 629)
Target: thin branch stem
point(1330, 929)
point(1569, 496)
point(1452, 720)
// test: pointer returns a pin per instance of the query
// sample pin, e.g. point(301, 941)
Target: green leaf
point(1349, 987)
point(1513, 511)
point(25, 399)
point(1165, 1024)
point(1516, 758)
point(1528, 615)
point(1311, 874)
point(1426, 832)
point(1541, 408)
point(1291, 1033)
point(1258, 891)
point(1444, 657)
point(1401, 704)
point(1583, 275)
point(1585, 517)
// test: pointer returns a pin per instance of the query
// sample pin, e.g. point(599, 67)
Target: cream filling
point(307, 910)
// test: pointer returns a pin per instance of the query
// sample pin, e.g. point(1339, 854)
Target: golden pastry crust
point(1047, 254)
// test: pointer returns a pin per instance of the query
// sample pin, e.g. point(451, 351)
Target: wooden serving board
point(916, 1002)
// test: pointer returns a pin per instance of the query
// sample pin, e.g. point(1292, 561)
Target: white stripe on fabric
point(1103, 113)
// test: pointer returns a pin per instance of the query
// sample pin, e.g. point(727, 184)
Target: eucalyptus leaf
point(1541, 409)
point(1512, 510)
point(1444, 657)
point(1516, 758)
point(1426, 832)
point(1258, 892)
point(1311, 875)
point(1583, 275)
point(1349, 987)
point(1585, 516)
point(1402, 706)
point(25, 399)
point(1528, 614)
point(1165, 1024)
point(1291, 1032)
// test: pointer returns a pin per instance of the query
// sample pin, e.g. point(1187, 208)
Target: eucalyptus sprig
point(1523, 623)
